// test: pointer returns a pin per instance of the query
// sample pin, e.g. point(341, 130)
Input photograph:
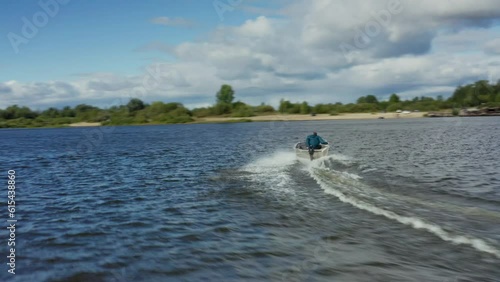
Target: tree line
point(480, 93)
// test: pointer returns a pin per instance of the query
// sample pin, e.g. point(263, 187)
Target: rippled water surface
point(396, 200)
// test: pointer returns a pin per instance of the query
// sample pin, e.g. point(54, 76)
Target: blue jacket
point(314, 140)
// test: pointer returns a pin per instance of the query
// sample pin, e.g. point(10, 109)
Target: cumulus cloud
point(493, 46)
point(319, 51)
point(4, 89)
point(38, 93)
point(395, 54)
point(387, 28)
point(109, 82)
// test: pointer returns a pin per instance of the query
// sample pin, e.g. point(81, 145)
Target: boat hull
point(303, 153)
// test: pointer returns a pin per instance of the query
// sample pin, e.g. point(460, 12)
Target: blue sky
point(99, 36)
point(97, 51)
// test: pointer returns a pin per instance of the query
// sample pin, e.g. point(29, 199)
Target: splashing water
point(272, 171)
point(347, 188)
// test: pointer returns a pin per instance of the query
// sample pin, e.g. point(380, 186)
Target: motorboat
point(303, 152)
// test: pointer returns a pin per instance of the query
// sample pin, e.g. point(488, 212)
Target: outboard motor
point(311, 152)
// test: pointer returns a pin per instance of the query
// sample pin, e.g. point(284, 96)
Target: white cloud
point(424, 48)
point(108, 83)
point(259, 27)
point(492, 46)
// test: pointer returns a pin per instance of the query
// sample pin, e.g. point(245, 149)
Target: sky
point(55, 53)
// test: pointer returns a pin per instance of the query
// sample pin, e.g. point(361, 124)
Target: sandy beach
point(81, 124)
point(291, 117)
point(297, 117)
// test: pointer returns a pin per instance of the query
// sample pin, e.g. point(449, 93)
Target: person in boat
point(314, 141)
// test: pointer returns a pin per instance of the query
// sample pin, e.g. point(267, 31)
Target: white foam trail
point(321, 163)
point(373, 193)
point(368, 170)
point(272, 171)
point(414, 222)
point(343, 159)
point(339, 157)
point(276, 160)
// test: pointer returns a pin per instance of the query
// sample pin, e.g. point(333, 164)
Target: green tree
point(135, 105)
point(14, 112)
point(304, 108)
point(295, 109)
point(394, 107)
point(82, 108)
point(394, 98)
point(238, 104)
point(361, 100)
point(225, 94)
point(26, 112)
point(243, 111)
point(201, 112)
point(85, 112)
point(68, 112)
point(284, 106)
point(475, 94)
point(370, 99)
point(51, 113)
point(263, 108)
point(383, 105)
point(222, 108)
point(10, 112)
point(157, 108)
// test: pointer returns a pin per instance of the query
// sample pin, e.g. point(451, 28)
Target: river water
point(396, 200)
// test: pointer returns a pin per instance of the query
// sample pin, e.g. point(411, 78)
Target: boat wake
point(279, 175)
point(348, 188)
point(272, 173)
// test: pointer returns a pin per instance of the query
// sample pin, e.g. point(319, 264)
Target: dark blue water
point(396, 200)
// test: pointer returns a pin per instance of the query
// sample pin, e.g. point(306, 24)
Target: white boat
point(302, 151)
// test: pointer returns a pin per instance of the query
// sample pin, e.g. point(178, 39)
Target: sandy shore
point(317, 117)
point(294, 117)
point(79, 124)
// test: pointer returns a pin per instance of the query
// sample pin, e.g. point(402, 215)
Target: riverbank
point(288, 117)
point(297, 117)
